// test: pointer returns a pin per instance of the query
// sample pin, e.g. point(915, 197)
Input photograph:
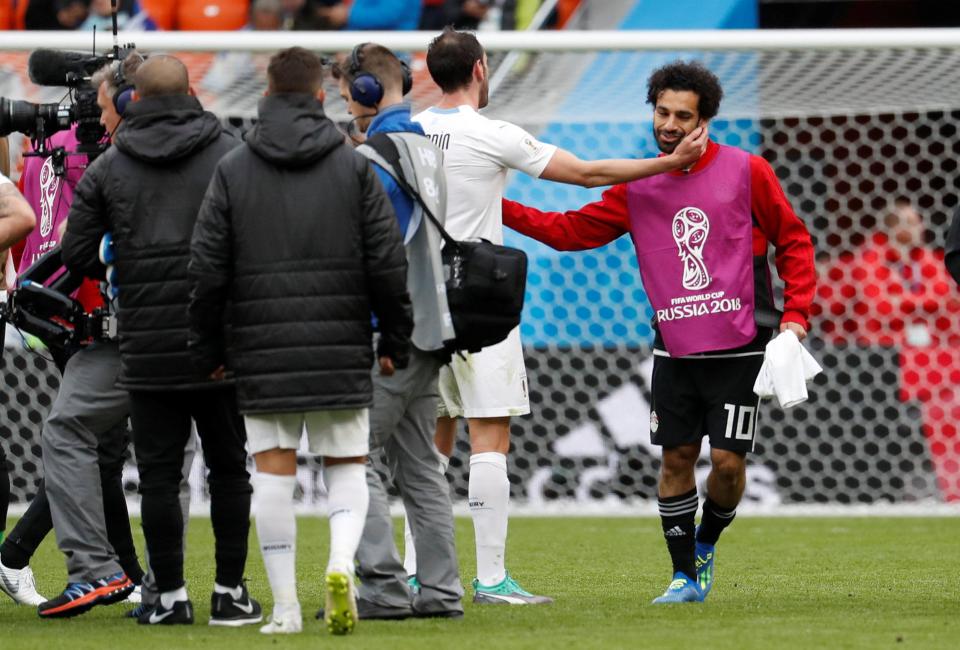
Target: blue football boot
point(705, 556)
point(681, 590)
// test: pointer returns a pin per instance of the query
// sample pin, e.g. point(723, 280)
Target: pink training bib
point(694, 240)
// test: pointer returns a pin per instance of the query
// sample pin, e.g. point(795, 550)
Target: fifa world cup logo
point(690, 230)
point(49, 184)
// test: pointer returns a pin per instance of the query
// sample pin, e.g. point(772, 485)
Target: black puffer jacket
point(298, 238)
point(147, 189)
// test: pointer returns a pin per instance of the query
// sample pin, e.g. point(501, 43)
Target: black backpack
point(485, 281)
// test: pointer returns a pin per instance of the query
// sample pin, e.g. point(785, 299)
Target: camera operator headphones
point(365, 87)
point(124, 90)
point(124, 87)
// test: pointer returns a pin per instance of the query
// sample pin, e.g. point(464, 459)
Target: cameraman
point(147, 190)
point(402, 421)
point(84, 437)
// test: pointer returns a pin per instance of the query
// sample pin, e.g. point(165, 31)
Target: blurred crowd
point(894, 291)
point(226, 15)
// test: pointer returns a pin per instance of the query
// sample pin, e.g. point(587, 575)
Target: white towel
point(787, 367)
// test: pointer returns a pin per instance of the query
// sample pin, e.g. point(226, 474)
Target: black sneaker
point(234, 612)
point(180, 614)
point(138, 611)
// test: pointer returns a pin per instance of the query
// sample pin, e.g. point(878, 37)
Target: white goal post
point(502, 41)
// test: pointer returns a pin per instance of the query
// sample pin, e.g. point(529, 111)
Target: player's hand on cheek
point(796, 328)
point(691, 147)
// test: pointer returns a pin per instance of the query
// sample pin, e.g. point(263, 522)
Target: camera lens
point(24, 117)
point(17, 115)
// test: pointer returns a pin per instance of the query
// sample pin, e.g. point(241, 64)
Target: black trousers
point(161, 427)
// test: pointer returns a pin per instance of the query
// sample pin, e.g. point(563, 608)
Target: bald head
point(162, 75)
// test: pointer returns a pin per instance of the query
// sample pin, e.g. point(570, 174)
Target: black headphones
point(365, 87)
point(124, 90)
point(124, 87)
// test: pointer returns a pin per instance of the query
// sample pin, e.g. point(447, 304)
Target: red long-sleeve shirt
point(775, 222)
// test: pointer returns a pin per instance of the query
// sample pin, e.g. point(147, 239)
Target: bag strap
point(383, 151)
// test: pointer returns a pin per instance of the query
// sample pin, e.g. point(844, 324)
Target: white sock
point(489, 497)
point(277, 533)
point(347, 501)
point(235, 592)
point(409, 548)
point(168, 598)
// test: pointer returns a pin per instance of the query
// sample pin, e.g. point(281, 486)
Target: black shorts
point(705, 396)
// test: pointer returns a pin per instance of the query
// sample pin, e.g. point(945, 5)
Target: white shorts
point(338, 434)
point(489, 384)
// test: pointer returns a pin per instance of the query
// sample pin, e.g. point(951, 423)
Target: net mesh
point(865, 145)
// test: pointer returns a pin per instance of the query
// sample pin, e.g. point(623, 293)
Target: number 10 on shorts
point(741, 421)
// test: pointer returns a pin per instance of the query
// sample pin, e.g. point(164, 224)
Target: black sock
point(715, 519)
point(678, 517)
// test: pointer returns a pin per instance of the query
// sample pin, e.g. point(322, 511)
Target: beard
point(668, 147)
point(484, 93)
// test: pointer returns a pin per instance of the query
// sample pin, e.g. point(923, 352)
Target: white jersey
point(477, 153)
point(4, 180)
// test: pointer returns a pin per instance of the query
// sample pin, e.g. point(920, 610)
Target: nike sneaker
point(181, 613)
point(681, 590)
point(508, 592)
point(80, 597)
point(19, 584)
point(340, 612)
point(137, 611)
point(228, 611)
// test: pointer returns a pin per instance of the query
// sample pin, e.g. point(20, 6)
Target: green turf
point(781, 583)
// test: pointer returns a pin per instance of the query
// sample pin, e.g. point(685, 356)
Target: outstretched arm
point(564, 167)
point(591, 226)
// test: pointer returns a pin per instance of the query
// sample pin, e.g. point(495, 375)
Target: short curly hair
point(692, 76)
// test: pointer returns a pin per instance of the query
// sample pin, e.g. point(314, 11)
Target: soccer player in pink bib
point(701, 236)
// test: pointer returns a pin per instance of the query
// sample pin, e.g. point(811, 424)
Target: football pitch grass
point(781, 583)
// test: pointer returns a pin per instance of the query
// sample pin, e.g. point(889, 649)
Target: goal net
point(860, 128)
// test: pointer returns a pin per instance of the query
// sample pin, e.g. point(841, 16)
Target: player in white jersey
point(489, 387)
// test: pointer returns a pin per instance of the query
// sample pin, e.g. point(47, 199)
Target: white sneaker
point(135, 597)
point(20, 585)
point(284, 621)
